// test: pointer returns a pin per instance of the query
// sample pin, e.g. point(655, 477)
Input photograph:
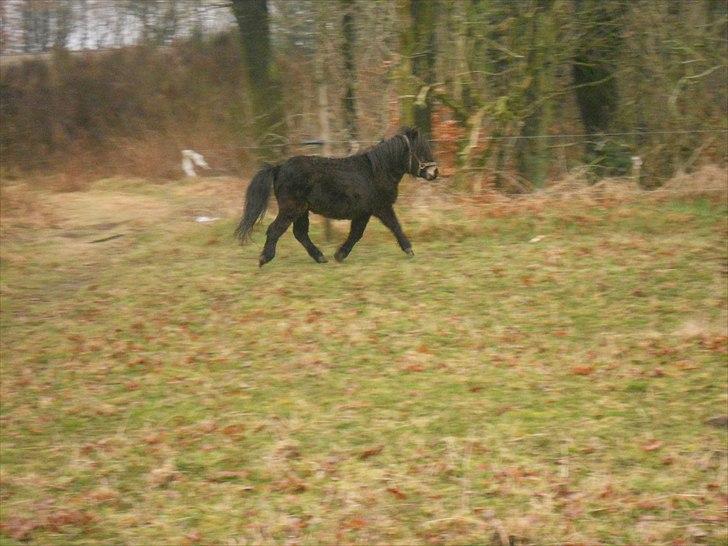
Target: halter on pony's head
point(425, 169)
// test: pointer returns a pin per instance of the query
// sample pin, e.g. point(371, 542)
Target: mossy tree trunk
point(594, 69)
point(263, 82)
point(417, 67)
point(532, 153)
point(348, 47)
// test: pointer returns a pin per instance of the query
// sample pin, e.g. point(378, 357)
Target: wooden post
point(323, 114)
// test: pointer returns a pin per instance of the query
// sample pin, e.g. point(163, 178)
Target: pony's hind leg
point(300, 230)
point(277, 228)
point(358, 225)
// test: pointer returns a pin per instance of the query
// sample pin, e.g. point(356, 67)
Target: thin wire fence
point(586, 137)
point(588, 194)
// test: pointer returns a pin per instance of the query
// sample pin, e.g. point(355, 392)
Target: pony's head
point(421, 162)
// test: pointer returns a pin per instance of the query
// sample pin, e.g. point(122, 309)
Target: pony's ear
point(413, 133)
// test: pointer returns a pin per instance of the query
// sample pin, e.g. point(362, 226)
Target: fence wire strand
point(586, 137)
point(587, 194)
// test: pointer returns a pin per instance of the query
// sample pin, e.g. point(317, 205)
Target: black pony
point(353, 188)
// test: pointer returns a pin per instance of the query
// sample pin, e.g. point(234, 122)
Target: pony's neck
point(406, 164)
point(390, 159)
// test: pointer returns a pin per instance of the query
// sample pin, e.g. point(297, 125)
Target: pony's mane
point(388, 154)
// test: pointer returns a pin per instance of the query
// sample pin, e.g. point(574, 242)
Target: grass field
point(542, 372)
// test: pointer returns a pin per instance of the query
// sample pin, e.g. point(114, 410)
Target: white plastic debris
point(536, 239)
point(205, 219)
point(190, 159)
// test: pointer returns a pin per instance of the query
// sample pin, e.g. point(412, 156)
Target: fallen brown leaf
point(19, 528)
point(235, 429)
point(646, 504)
point(289, 450)
point(397, 492)
point(290, 484)
point(654, 445)
point(500, 410)
point(68, 517)
point(228, 475)
point(357, 523)
point(154, 438)
point(106, 409)
point(371, 452)
point(607, 492)
point(104, 494)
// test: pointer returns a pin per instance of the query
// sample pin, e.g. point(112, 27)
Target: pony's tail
point(256, 201)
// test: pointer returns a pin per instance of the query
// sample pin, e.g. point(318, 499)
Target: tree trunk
point(423, 59)
point(348, 48)
point(323, 115)
point(417, 67)
point(263, 85)
point(36, 27)
point(594, 74)
point(593, 70)
point(532, 152)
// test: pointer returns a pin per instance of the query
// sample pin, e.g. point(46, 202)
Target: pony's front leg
point(277, 228)
point(389, 219)
point(358, 225)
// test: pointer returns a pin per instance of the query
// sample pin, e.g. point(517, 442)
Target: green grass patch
point(160, 388)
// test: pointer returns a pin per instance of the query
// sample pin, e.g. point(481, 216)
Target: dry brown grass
point(708, 178)
point(23, 207)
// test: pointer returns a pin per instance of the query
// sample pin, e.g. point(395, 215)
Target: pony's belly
point(334, 204)
point(337, 211)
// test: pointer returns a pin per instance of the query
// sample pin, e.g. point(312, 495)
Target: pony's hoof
point(321, 259)
point(263, 260)
point(339, 256)
point(410, 252)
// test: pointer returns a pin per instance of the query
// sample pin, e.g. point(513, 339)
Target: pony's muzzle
point(430, 172)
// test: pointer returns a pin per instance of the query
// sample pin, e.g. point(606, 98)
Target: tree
point(417, 70)
point(36, 21)
point(532, 153)
point(594, 70)
point(263, 83)
point(348, 48)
